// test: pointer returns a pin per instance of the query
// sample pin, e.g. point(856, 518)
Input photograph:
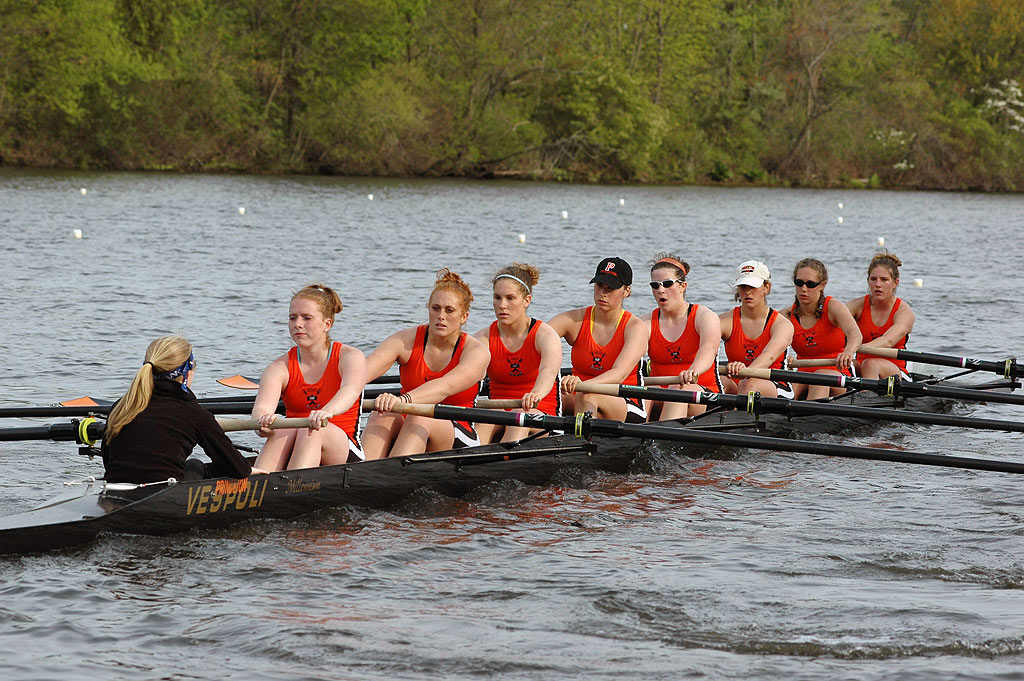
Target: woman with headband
point(607, 345)
point(438, 363)
point(526, 353)
point(152, 429)
point(885, 320)
point(684, 338)
point(318, 378)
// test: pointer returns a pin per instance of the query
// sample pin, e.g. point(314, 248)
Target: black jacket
point(155, 445)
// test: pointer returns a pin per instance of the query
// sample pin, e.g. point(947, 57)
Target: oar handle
point(601, 388)
point(230, 425)
point(824, 362)
point(483, 403)
point(890, 353)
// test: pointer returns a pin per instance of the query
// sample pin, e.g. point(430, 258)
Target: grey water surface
point(741, 566)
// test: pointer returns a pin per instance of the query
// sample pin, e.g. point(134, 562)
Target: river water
point(745, 565)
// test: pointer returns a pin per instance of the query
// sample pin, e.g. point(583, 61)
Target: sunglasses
point(809, 284)
point(668, 283)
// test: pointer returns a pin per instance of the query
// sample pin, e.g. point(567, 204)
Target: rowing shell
point(95, 507)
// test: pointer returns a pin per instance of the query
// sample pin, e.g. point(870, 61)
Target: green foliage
point(894, 92)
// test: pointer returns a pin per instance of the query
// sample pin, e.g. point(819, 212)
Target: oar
point(1007, 368)
point(889, 387)
point(90, 430)
point(583, 426)
point(757, 404)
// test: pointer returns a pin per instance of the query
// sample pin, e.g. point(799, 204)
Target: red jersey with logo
point(590, 359)
point(739, 348)
point(513, 374)
point(824, 340)
point(872, 332)
point(300, 397)
point(670, 358)
point(415, 372)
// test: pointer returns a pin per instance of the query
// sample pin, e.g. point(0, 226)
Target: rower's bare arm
point(395, 348)
point(549, 345)
point(471, 369)
point(272, 383)
point(840, 315)
point(780, 339)
point(725, 320)
point(567, 324)
point(352, 365)
point(855, 306)
point(709, 328)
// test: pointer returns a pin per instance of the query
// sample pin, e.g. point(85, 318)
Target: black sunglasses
point(668, 283)
point(809, 284)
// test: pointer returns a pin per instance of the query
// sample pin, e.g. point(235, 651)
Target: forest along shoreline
point(838, 93)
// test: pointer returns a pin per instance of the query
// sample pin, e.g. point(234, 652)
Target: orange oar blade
point(80, 402)
point(239, 381)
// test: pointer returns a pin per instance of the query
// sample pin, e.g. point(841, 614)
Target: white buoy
point(881, 241)
point(370, 196)
point(241, 210)
point(622, 202)
point(565, 215)
point(522, 238)
point(919, 283)
point(839, 219)
point(77, 233)
point(83, 190)
point(840, 205)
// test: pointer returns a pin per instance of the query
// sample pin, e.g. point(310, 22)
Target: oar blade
point(239, 381)
point(85, 402)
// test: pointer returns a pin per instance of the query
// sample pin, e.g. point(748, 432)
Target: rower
point(607, 345)
point(152, 429)
point(439, 363)
point(823, 328)
point(755, 335)
point(526, 353)
point(684, 338)
point(318, 379)
point(885, 320)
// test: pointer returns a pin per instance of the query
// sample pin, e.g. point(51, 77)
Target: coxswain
point(684, 338)
point(607, 345)
point(318, 379)
point(152, 429)
point(526, 353)
point(438, 363)
point(885, 320)
point(823, 328)
point(755, 335)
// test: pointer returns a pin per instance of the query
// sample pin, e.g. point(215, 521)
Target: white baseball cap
point(752, 273)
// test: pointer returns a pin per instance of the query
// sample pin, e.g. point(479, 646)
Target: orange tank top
point(513, 374)
point(415, 371)
point(871, 332)
point(739, 348)
point(824, 340)
point(300, 397)
point(590, 359)
point(670, 358)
